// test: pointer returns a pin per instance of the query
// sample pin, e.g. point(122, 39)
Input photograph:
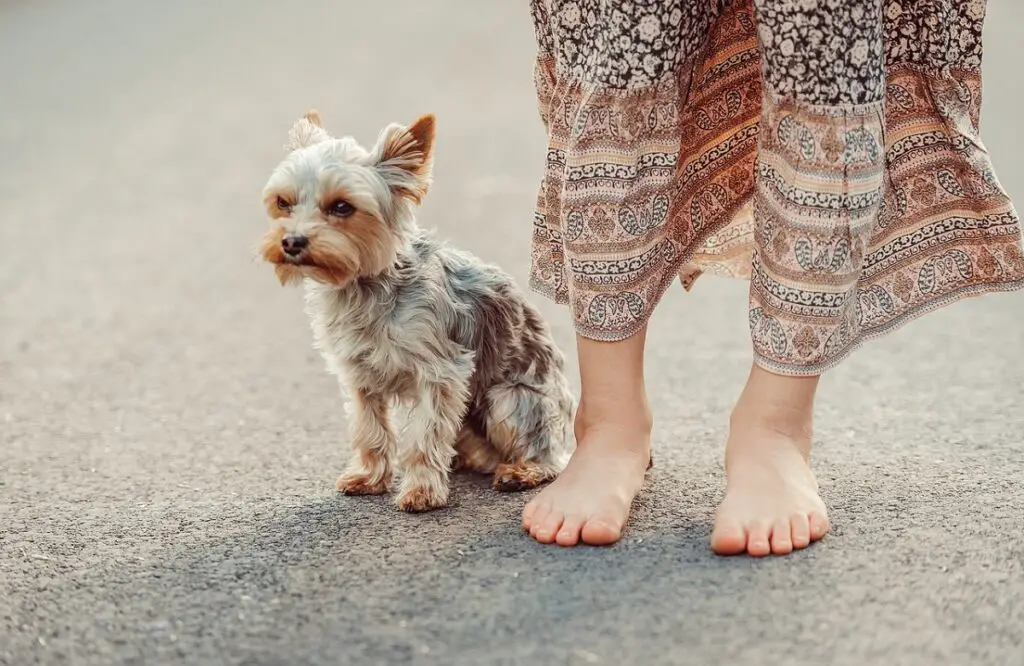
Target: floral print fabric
point(828, 150)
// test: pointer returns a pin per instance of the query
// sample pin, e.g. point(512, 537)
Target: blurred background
point(169, 440)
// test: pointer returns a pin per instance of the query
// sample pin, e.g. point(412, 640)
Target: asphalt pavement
point(169, 439)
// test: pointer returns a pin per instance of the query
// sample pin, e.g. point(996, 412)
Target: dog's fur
point(402, 319)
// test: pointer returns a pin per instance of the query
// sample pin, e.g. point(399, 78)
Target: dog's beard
point(334, 257)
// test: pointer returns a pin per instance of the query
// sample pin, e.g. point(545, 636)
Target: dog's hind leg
point(475, 454)
point(532, 429)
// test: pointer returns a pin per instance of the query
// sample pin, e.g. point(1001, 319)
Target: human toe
point(541, 510)
point(601, 530)
point(800, 528)
point(758, 543)
point(569, 533)
point(545, 531)
point(532, 511)
point(782, 537)
point(728, 538)
point(818, 525)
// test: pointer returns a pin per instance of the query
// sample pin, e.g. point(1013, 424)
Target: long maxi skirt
point(827, 150)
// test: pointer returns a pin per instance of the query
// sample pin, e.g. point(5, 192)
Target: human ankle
point(625, 416)
point(764, 433)
point(776, 404)
point(787, 421)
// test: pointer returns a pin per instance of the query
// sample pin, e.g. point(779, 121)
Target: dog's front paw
point(421, 498)
point(361, 484)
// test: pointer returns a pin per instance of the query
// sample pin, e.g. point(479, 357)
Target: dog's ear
point(306, 131)
point(405, 157)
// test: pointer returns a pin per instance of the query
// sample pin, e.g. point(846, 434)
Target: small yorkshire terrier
point(403, 320)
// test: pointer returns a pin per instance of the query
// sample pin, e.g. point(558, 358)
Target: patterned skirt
point(827, 150)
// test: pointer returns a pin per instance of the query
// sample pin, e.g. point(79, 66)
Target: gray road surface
point(169, 440)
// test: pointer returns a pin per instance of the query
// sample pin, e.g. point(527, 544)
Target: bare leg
point(591, 499)
point(373, 444)
point(771, 502)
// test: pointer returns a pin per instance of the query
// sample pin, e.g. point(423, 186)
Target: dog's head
point(340, 211)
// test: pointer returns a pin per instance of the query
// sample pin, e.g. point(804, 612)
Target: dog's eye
point(283, 205)
point(341, 209)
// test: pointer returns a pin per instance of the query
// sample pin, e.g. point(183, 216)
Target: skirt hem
point(787, 369)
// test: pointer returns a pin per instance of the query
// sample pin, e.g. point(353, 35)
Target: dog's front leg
point(372, 439)
point(429, 447)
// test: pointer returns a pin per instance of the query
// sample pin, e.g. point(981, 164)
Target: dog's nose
point(294, 244)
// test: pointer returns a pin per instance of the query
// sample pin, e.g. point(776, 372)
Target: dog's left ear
point(405, 157)
point(306, 131)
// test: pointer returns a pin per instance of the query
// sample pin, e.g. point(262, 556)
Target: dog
point(407, 323)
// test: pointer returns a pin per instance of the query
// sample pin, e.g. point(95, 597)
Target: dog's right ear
point(306, 131)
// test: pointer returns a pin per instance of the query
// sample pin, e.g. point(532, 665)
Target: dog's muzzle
point(293, 245)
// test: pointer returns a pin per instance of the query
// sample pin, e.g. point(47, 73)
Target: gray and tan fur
point(404, 320)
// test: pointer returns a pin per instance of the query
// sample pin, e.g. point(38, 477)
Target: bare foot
point(591, 498)
point(771, 503)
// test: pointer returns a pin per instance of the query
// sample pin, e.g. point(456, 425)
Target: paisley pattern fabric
point(827, 150)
